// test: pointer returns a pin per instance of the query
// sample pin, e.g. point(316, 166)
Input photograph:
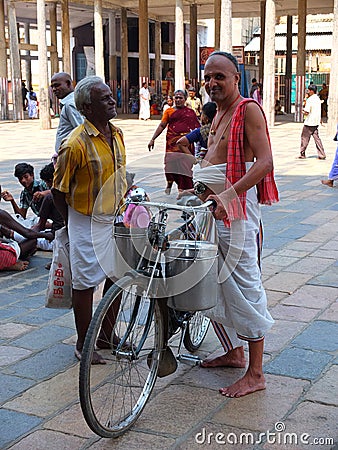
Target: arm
point(60, 203)
point(8, 197)
point(183, 144)
point(73, 115)
point(158, 131)
point(257, 148)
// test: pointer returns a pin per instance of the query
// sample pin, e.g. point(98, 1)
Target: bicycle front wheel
point(196, 331)
point(113, 395)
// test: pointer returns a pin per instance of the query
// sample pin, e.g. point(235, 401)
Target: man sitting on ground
point(32, 194)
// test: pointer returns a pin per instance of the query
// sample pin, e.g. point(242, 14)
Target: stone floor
point(39, 374)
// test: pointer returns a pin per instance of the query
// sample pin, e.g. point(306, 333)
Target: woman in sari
point(180, 120)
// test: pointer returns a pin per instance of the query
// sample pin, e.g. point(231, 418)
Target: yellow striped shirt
point(90, 172)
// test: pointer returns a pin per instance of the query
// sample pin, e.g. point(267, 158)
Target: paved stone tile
point(42, 315)
point(43, 337)
point(320, 335)
point(312, 297)
point(49, 396)
point(45, 363)
point(303, 246)
point(325, 390)
point(158, 416)
point(275, 297)
point(10, 311)
point(296, 231)
point(32, 302)
point(67, 320)
point(278, 261)
point(281, 334)
point(135, 441)
point(286, 281)
point(275, 242)
point(321, 234)
point(310, 265)
point(45, 439)
point(12, 330)
point(11, 386)
point(294, 313)
point(328, 278)
point(299, 363)
point(319, 218)
point(291, 253)
point(316, 420)
point(331, 313)
point(14, 424)
point(265, 408)
point(70, 421)
point(9, 355)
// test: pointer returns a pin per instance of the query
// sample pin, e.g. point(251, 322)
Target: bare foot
point(234, 358)
point(97, 358)
point(247, 385)
point(18, 266)
point(328, 183)
point(167, 190)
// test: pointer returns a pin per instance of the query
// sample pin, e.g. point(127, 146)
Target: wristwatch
point(199, 187)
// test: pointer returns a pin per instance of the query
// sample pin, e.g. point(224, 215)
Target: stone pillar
point(193, 44)
point(28, 65)
point(288, 66)
point(333, 88)
point(269, 63)
point(98, 39)
point(15, 63)
point(66, 61)
point(262, 43)
point(226, 27)
point(44, 114)
point(124, 61)
point(158, 60)
point(179, 47)
point(217, 15)
point(143, 42)
point(3, 66)
point(301, 58)
point(112, 53)
point(54, 59)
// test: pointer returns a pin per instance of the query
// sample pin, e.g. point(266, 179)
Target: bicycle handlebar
point(169, 206)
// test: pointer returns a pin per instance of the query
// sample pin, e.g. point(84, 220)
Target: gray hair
point(181, 91)
point(82, 93)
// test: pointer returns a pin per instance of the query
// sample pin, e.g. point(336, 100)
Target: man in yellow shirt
point(89, 183)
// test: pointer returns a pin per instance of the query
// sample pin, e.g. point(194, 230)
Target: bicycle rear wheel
point(196, 331)
point(113, 396)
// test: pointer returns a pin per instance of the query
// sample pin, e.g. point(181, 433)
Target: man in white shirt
point(70, 117)
point(312, 112)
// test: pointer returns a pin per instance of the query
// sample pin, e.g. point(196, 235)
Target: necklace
point(214, 128)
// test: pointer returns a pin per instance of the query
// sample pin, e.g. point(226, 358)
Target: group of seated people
point(21, 236)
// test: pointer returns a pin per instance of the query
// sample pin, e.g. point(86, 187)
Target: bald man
point(70, 118)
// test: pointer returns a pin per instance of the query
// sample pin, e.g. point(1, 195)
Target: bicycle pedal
point(191, 359)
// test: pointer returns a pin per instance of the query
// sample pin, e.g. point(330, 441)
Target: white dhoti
point(241, 310)
point(90, 248)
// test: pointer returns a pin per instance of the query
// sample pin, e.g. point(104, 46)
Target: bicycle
point(139, 323)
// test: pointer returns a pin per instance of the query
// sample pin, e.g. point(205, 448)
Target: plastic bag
point(59, 287)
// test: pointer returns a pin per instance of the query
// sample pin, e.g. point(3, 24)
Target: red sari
point(177, 165)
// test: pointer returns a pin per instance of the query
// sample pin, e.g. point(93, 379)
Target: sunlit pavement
point(39, 373)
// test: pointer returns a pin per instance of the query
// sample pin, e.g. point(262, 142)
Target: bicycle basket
point(191, 275)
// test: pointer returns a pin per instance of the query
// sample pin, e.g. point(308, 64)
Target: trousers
point(307, 132)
